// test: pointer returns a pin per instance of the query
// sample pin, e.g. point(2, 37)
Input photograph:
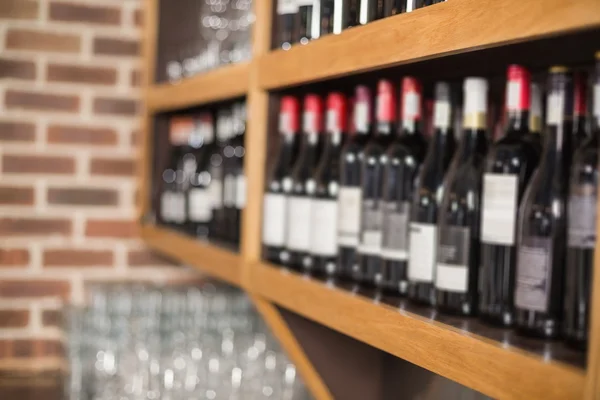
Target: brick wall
point(69, 103)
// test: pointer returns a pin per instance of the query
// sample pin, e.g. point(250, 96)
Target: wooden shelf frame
point(454, 27)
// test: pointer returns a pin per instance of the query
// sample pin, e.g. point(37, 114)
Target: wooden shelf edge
point(226, 82)
point(208, 258)
point(447, 28)
point(473, 361)
point(293, 349)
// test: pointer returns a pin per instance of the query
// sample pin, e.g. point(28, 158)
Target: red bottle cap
point(313, 113)
point(180, 130)
point(580, 84)
point(517, 88)
point(411, 98)
point(289, 115)
point(336, 112)
point(386, 101)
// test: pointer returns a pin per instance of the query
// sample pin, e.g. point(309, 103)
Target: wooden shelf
point(452, 27)
point(208, 258)
point(223, 83)
point(495, 368)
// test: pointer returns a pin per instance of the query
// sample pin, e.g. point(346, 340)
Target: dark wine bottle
point(218, 191)
point(580, 133)
point(508, 168)
point(275, 201)
point(305, 19)
point(428, 191)
point(534, 137)
point(324, 189)
point(542, 227)
point(235, 180)
point(300, 200)
point(350, 194)
point(287, 28)
point(371, 230)
point(199, 201)
point(581, 232)
point(326, 17)
point(457, 253)
point(401, 163)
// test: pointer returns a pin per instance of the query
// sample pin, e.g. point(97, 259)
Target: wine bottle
point(370, 10)
point(369, 250)
point(275, 201)
point(219, 193)
point(457, 253)
point(508, 168)
point(236, 172)
point(350, 195)
point(535, 119)
point(199, 201)
point(305, 19)
point(583, 195)
point(300, 200)
point(172, 199)
point(428, 191)
point(542, 219)
point(579, 108)
point(327, 17)
point(346, 15)
point(324, 189)
point(286, 23)
point(401, 163)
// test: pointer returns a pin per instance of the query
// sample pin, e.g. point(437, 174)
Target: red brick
point(33, 348)
point(112, 166)
point(135, 78)
point(143, 258)
point(124, 107)
point(41, 101)
point(14, 318)
point(81, 74)
point(38, 164)
point(16, 195)
point(34, 226)
point(67, 134)
point(19, 9)
point(17, 131)
point(81, 13)
point(111, 228)
point(138, 17)
point(77, 258)
point(83, 196)
point(14, 257)
point(116, 47)
point(52, 318)
point(17, 69)
point(136, 138)
point(18, 288)
point(38, 40)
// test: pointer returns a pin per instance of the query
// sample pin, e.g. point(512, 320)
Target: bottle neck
point(474, 141)
point(518, 122)
point(412, 127)
point(385, 129)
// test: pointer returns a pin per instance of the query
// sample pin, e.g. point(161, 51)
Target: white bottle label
point(441, 114)
point(422, 252)
point(499, 209)
point(349, 203)
point(287, 7)
point(240, 192)
point(216, 193)
point(361, 116)
point(596, 101)
point(274, 209)
point(298, 223)
point(229, 191)
point(165, 206)
point(513, 95)
point(199, 206)
point(452, 269)
point(178, 207)
point(555, 104)
point(324, 227)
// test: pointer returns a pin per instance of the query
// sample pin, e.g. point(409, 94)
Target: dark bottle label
point(534, 273)
point(582, 217)
point(452, 268)
point(371, 237)
point(395, 230)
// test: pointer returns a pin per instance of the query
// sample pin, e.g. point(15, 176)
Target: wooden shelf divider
point(223, 83)
point(452, 27)
point(205, 257)
point(494, 369)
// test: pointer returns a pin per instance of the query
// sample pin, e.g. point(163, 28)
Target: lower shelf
point(479, 357)
point(209, 258)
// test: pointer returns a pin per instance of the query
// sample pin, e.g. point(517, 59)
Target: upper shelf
point(455, 348)
point(223, 83)
point(211, 259)
point(451, 27)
